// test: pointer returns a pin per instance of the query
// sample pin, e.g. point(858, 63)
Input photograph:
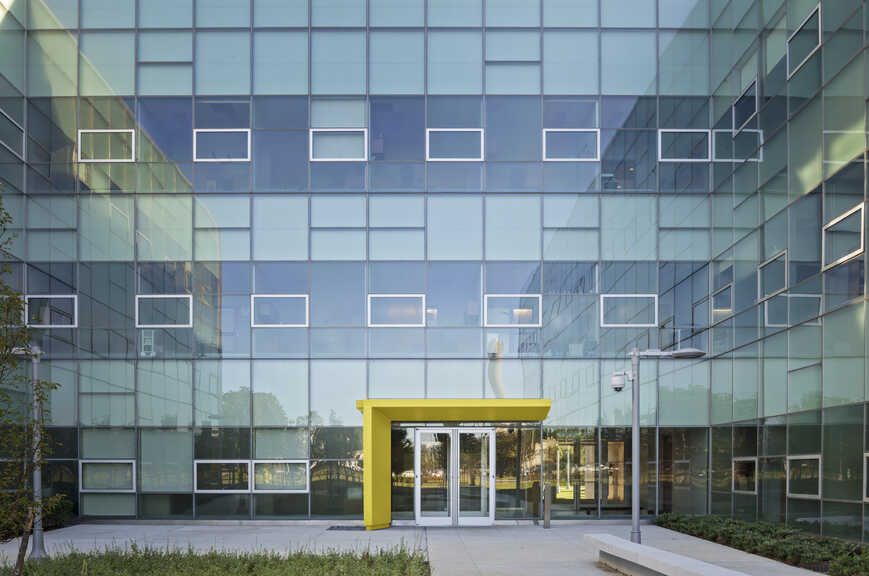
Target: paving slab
point(505, 549)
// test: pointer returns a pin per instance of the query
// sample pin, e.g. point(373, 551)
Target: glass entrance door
point(454, 473)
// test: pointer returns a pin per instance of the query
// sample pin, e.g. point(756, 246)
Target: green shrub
point(776, 541)
point(153, 562)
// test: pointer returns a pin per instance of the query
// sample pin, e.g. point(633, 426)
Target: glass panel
point(338, 61)
point(165, 13)
point(396, 62)
point(220, 13)
point(280, 228)
point(773, 277)
point(570, 60)
point(107, 14)
point(512, 310)
point(396, 12)
point(280, 13)
point(103, 146)
point(166, 460)
point(684, 145)
point(280, 476)
point(803, 42)
point(454, 228)
point(843, 238)
point(455, 13)
point(108, 504)
point(222, 145)
point(804, 476)
point(222, 62)
point(395, 310)
point(335, 387)
point(450, 145)
point(629, 310)
point(280, 393)
point(280, 63)
point(107, 475)
point(434, 474)
point(338, 145)
point(455, 61)
point(745, 475)
point(628, 61)
point(173, 311)
point(222, 476)
point(106, 63)
point(222, 393)
point(571, 145)
point(280, 310)
point(513, 227)
point(474, 475)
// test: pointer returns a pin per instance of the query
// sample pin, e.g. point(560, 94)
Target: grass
point(777, 541)
point(154, 562)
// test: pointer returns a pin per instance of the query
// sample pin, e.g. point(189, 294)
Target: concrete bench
point(640, 560)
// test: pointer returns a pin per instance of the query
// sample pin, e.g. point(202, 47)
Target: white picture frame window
point(859, 208)
point(800, 495)
point(198, 131)
point(548, 131)
point(605, 324)
point(129, 131)
point(27, 305)
point(188, 297)
point(314, 131)
point(422, 310)
point(662, 131)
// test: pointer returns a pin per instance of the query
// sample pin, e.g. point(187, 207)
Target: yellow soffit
point(459, 409)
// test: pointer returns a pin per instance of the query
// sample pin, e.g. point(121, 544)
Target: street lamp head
point(687, 353)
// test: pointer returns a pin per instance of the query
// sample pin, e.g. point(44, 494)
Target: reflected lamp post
point(618, 384)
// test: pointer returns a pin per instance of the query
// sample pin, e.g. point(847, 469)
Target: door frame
point(453, 518)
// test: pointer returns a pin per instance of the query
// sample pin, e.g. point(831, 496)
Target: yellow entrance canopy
point(378, 416)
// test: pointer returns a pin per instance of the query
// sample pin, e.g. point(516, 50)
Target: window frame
point(761, 141)
point(737, 130)
point(596, 132)
point(312, 131)
point(605, 325)
point(131, 131)
point(83, 490)
point(761, 297)
point(189, 298)
point(20, 128)
point(370, 296)
point(708, 132)
point(196, 132)
point(481, 158)
point(733, 474)
point(306, 298)
point(796, 31)
point(538, 324)
point(306, 463)
point(858, 208)
point(820, 460)
point(27, 299)
point(196, 463)
point(865, 483)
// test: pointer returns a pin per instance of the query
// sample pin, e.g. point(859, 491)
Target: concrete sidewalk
point(505, 549)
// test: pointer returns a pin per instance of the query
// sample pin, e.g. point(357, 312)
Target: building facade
point(236, 218)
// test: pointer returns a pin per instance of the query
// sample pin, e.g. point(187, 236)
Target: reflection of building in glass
point(229, 232)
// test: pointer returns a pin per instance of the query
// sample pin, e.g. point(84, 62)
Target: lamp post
point(618, 384)
point(37, 549)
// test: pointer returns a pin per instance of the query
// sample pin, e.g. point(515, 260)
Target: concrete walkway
point(505, 549)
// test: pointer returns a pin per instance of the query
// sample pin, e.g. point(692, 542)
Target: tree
point(23, 443)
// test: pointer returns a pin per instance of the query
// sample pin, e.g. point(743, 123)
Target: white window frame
point(196, 132)
point(262, 491)
point(312, 131)
point(708, 133)
point(820, 476)
point(132, 133)
point(596, 132)
point(790, 295)
point(761, 297)
point(733, 474)
point(736, 130)
point(538, 324)
point(858, 208)
point(817, 47)
point(73, 297)
point(253, 298)
point(421, 297)
point(84, 490)
point(196, 463)
point(758, 158)
point(605, 325)
point(189, 298)
point(23, 139)
point(482, 156)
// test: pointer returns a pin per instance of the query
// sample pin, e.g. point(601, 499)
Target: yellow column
point(377, 475)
